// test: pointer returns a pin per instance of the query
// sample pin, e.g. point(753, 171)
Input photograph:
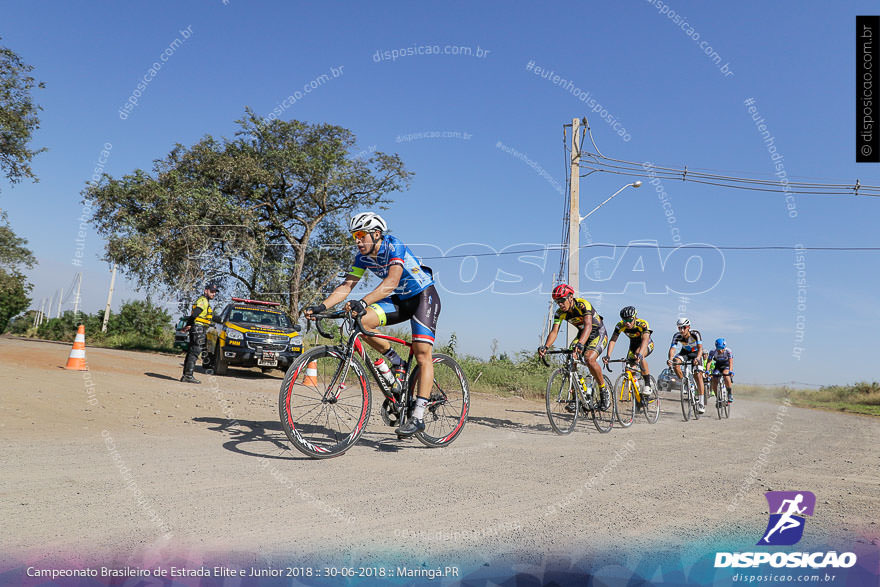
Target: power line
point(598, 162)
point(653, 246)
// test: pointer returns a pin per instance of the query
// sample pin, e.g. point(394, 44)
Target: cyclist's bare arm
point(551, 337)
point(611, 342)
point(342, 290)
point(387, 287)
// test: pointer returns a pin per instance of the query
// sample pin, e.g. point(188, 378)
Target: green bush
point(137, 325)
point(139, 317)
point(20, 325)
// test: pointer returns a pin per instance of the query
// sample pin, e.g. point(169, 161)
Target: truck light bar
point(258, 302)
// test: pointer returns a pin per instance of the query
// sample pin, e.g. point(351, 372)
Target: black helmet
point(628, 313)
point(212, 286)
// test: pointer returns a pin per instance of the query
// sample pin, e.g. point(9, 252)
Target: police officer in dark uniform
point(197, 324)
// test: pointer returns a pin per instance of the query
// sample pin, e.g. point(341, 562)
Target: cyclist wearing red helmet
point(591, 338)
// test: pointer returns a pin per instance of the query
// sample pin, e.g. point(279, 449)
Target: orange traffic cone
point(77, 358)
point(311, 374)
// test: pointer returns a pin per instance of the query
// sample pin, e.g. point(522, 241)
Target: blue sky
point(677, 105)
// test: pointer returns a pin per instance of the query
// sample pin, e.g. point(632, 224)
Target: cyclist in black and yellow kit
point(591, 338)
point(640, 343)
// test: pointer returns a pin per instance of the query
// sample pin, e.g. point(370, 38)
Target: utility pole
point(60, 295)
point(76, 297)
point(109, 299)
point(574, 215)
point(544, 329)
point(42, 305)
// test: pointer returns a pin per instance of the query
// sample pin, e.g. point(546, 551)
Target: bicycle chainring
point(389, 413)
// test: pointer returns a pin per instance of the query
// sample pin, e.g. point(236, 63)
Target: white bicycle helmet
point(367, 221)
point(683, 322)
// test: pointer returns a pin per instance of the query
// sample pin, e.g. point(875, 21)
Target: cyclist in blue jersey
point(723, 359)
point(406, 293)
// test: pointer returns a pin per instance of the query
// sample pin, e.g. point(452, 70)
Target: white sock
point(421, 404)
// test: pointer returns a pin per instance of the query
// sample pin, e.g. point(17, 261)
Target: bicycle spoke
point(446, 415)
point(562, 405)
point(323, 415)
point(624, 400)
point(603, 419)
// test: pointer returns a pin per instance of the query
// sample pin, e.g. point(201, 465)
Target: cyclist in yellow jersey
point(640, 343)
point(591, 338)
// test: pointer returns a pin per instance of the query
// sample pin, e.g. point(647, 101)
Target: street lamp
point(635, 184)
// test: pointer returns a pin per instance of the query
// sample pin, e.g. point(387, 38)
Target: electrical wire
point(598, 161)
point(653, 246)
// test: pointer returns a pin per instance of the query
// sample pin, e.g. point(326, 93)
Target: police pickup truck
point(252, 333)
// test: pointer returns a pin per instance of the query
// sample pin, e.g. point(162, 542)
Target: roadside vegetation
point(138, 325)
point(858, 398)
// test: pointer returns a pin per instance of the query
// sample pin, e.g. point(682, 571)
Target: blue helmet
point(720, 343)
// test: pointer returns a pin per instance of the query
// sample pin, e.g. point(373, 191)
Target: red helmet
point(562, 291)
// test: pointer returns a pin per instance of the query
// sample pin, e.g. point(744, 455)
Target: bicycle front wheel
point(562, 402)
point(603, 419)
point(624, 402)
point(686, 394)
point(725, 403)
point(324, 405)
point(651, 404)
point(695, 402)
point(448, 402)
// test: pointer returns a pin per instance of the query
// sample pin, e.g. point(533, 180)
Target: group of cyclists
point(407, 292)
point(592, 338)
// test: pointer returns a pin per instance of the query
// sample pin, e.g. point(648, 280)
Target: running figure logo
point(786, 525)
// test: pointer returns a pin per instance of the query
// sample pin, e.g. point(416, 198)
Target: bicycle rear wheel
point(651, 404)
point(562, 402)
point(603, 419)
point(322, 414)
point(686, 393)
point(624, 402)
point(448, 403)
point(725, 403)
point(695, 402)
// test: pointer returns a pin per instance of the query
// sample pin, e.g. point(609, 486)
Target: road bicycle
point(570, 394)
point(722, 398)
point(688, 391)
point(325, 397)
point(628, 396)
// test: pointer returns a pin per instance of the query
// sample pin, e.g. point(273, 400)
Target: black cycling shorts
point(635, 344)
point(720, 368)
point(422, 311)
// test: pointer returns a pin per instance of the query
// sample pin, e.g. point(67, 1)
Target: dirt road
point(124, 463)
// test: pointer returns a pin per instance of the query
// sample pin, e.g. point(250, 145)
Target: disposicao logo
point(788, 511)
point(786, 525)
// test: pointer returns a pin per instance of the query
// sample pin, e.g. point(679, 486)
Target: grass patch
point(859, 398)
point(163, 343)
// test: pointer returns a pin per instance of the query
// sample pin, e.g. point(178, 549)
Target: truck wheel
point(220, 366)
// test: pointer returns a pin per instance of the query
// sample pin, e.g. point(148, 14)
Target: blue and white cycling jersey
point(721, 357)
point(688, 343)
point(393, 252)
